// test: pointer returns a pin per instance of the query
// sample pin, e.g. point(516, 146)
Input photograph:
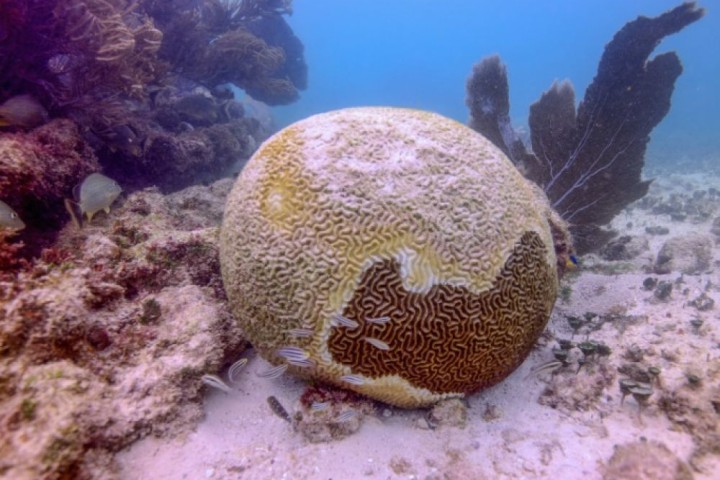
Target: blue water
point(419, 53)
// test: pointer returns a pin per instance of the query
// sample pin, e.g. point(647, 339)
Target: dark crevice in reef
point(589, 161)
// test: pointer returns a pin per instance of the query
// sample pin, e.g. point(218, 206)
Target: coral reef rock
point(646, 461)
point(449, 413)
point(392, 252)
point(691, 254)
point(104, 338)
point(626, 247)
point(324, 413)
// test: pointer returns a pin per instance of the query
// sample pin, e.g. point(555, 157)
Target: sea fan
point(589, 161)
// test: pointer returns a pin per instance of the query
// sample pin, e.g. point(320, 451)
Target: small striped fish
point(378, 320)
point(550, 366)
point(342, 321)
point(346, 416)
point(216, 382)
point(301, 332)
point(319, 406)
point(293, 353)
point(235, 369)
point(377, 343)
point(353, 379)
point(274, 372)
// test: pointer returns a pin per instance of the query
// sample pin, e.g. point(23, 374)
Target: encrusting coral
point(589, 162)
point(391, 252)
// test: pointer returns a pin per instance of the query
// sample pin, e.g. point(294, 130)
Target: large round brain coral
point(393, 252)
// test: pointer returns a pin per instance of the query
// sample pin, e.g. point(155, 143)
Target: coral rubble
point(323, 414)
point(589, 161)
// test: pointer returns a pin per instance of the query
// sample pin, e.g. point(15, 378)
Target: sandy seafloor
point(565, 424)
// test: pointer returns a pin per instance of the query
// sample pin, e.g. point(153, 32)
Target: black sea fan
point(589, 161)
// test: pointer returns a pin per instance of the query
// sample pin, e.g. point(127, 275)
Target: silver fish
point(550, 367)
point(292, 353)
point(378, 320)
point(346, 416)
point(377, 343)
point(319, 406)
point(301, 332)
point(235, 369)
point(9, 219)
point(216, 382)
point(274, 372)
point(97, 192)
point(338, 320)
point(353, 379)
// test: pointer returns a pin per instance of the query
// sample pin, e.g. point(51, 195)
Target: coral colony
point(424, 268)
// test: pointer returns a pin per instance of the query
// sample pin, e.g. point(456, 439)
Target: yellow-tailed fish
point(97, 192)
point(571, 262)
point(9, 219)
point(22, 111)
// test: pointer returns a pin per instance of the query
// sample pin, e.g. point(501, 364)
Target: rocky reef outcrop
point(105, 338)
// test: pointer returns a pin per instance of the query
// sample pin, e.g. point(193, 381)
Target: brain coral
point(393, 252)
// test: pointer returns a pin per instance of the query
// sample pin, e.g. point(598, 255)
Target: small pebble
point(422, 424)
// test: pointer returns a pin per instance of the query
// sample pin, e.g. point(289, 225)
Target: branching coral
point(589, 161)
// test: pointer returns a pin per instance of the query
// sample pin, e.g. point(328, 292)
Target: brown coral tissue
point(589, 161)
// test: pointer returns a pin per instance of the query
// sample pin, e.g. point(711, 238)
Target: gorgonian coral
point(589, 161)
